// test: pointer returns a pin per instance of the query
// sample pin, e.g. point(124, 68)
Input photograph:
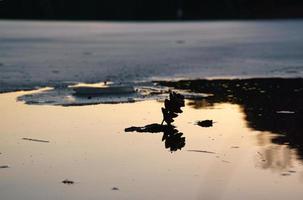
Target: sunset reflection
point(90, 139)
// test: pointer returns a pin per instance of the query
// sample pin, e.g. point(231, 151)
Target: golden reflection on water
point(89, 146)
point(278, 158)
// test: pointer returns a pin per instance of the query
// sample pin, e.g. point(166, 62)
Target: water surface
point(88, 145)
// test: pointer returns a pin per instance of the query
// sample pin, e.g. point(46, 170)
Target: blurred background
point(150, 10)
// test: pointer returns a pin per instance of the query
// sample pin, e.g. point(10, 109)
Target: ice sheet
point(51, 53)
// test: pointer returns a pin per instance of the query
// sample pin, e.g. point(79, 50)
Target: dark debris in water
point(205, 123)
point(115, 188)
point(68, 182)
point(4, 166)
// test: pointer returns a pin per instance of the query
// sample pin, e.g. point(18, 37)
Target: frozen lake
point(49, 53)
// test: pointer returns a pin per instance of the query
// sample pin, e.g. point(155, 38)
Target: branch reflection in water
point(173, 139)
point(271, 105)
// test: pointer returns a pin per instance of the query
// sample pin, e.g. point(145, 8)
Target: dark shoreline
point(269, 104)
point(156, 20)
point(150, 10)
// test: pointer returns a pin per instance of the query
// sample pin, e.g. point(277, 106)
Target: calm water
point(89, 146)
point(243, 156)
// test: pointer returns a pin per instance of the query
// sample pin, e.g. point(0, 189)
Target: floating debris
point(4, 167)
point(205, 123)
point(151, 128)
point(35, 140)
point(115, 188)
point(201, 151)
point(68, 182)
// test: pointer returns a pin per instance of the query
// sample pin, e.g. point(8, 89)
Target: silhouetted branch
point(172, 107)
point(173, 139)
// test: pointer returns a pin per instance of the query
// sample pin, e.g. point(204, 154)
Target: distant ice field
point(36, 53)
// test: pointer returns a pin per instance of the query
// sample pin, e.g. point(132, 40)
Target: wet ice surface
point(88, 146)
point(49, 53)
point(66, 96)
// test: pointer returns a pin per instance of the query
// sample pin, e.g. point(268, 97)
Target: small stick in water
point(201, 151)
point(35, 140)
